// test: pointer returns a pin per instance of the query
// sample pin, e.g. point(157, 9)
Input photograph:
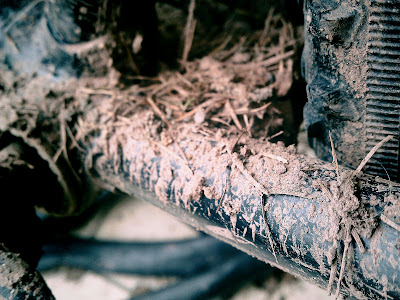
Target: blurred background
point(135, 220)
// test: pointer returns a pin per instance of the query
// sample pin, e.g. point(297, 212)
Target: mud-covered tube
point(227, 204)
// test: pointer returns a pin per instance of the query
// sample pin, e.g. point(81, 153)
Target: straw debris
point(348, 214)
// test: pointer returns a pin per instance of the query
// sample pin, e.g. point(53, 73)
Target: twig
point(56, 156)
point(268, 62)
point(154, 89)
point(256, 110)
point(169, 105)
point(11, 41)
point(276, 157)
point(247, 123)
point(237, 140)
point(96, 91)
point(267, 24)
point(63, 146)
point(193, 111)
point(182, 152)
point(369, 155)
point(233, 115)
point(74, 141)
point(344, 259)
point(358, 240)
point(187, 103)
point(124, 120)
point(187, 82)
point(334, 156)
point(224, 55)
point(325, 191)
point(276, 59)
point(332, 276)
point(157, 111)
point(387, 174)
point(389, 222)
point(244, 111)
point(220, 47)
point(238, 164)
point(218, 120)
point(141, 77)
point(188, 34)
point(181, 91)
point(275, 135)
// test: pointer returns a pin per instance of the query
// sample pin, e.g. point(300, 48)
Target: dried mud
point(197, 144)
point(237, 180)
point(188, 165)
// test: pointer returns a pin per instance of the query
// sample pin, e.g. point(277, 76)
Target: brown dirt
point(256, 166)
point(215, 121)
